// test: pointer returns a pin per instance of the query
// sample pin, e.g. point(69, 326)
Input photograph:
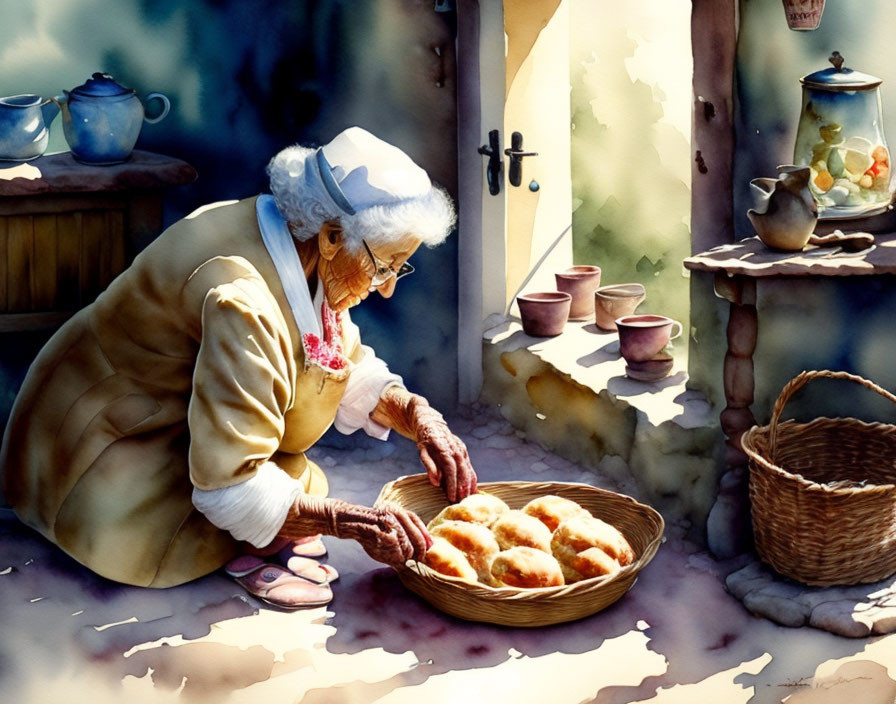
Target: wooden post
point(739, 384)
point(714, 41)
point(728, 525)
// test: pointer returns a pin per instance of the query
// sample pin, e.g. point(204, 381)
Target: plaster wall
point(811, 323)
point(803, 323)
point(770, 61)
point(248, 79)
point(841, 324)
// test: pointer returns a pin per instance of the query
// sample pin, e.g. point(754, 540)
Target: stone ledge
point(570, 394)
point(590, 357)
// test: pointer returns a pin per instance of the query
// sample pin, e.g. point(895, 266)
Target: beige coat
point(187, 371)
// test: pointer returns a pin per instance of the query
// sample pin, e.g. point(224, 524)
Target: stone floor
point(678, 637)
point(854, 611)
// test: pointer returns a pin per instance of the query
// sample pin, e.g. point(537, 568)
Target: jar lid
point(101, 85)
point(839, 78)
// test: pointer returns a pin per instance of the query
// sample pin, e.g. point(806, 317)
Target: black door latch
point(516, 154)
point(496, 163)
point(493, 169)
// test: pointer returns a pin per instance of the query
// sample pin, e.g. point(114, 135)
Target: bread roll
point(474, 540)
point(579, 533)
point(592, 562)
point(526, 567)
point(443, 557)
point(553, 510)
point(476, 508)
point(517, 528)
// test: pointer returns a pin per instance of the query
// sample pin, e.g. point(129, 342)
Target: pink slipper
point(309, 546)
point(303, 567)
point(306, 567)
point(243, 565)
point(278, 586)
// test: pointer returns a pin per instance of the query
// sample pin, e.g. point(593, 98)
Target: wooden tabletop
point(60, 173)
point(750, 257)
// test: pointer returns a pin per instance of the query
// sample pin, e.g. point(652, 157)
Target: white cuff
point(253, 510)
point(365, 386)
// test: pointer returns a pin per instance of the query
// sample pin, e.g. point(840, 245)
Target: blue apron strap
point(280, 245)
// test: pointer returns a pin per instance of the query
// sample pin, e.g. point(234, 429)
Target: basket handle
point(799, 382)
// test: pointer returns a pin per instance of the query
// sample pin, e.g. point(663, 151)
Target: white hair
point(306, 205)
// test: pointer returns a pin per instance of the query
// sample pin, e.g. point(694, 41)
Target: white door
point(513, 76)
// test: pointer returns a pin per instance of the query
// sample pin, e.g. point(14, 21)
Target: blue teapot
point(102, 119)
point(24, 126)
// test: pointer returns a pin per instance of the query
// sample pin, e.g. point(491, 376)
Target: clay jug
point(784, 213)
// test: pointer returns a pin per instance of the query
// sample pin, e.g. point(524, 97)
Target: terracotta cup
point(616, 301)
point(803, 14)
point(643, 337)
point(544, 314)
point(580, 282)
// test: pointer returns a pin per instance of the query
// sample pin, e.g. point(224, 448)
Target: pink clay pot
point(616, 301)
point(545, 313)
point(580, 282)
point(643, 337)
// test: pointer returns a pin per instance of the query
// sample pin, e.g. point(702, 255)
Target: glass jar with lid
point(841, 138)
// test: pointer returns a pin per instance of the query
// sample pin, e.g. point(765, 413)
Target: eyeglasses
point(384, 272)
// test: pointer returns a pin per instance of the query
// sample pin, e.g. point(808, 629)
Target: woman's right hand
point(388, 533)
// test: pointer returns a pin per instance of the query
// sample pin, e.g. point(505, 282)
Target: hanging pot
point(803, 15)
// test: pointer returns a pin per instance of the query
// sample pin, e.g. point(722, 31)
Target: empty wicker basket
point(641, 525)
point(822, 493)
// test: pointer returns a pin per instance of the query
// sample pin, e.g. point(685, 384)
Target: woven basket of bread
point(641, 525)
point(823, 493)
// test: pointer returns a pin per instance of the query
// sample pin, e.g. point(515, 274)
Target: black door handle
point(493, 168)
point(516, 154)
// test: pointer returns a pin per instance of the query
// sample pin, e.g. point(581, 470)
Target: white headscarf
point(359, 171)
point(371, 187)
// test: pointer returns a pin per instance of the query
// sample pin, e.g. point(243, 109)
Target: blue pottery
point(24, 130)
point(102, 119)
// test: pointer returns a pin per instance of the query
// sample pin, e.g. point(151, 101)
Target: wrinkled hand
point(388, 533)
point(443, 454)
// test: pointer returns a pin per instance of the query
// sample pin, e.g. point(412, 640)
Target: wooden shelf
point(60, 173)
point(750, 257)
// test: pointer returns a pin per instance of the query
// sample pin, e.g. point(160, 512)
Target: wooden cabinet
point(67, 230)
point(738, 267)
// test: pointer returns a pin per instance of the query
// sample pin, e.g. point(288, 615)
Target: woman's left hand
point(443, 454)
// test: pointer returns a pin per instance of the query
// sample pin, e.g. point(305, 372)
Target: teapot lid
point(839, 78)
point(100, 85)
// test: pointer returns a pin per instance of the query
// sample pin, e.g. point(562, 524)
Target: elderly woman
point(161, 433)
